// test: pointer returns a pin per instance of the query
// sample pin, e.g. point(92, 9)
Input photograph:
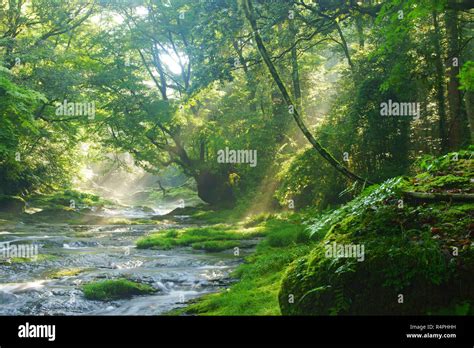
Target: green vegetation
point(172, 194)
point(108, 290)
point(256, 292)
point(216, 245)
point(64, 199)
point(422, 251)
point(138, 101)
point(408, 250)
point(68, 272)
point(37, 258)
point(215, 238)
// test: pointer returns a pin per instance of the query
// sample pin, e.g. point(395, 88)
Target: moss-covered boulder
point(12, 204)
point(116, 289)
point(418, 257)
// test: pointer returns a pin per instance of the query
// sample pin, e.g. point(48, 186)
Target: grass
point(256, 292)
point(216, 245)
point(108, 290)
point(205, 238)
point(218, 216)
point(283, 236)
point(59, 200)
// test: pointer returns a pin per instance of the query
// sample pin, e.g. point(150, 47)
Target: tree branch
point(249, 13)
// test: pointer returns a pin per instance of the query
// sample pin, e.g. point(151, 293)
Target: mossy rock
point(54, 215)
point(144, 208)
point(108, 290)
point(317, 285)
point(419, 258)
point(216, 245)
point(19, 260)
point(61, 273)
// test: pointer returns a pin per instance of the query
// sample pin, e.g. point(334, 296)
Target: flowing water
point(105, 252)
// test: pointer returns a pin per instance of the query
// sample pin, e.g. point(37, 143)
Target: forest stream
point(237, 158)
point(105, 252)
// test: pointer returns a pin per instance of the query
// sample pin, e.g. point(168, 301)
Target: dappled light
point(237, 158)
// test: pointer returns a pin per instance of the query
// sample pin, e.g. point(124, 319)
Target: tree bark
point(458, 128)
point(360, 31)
point(344, 46)
point(295, 69)
point(214, 188)
point(440, 86)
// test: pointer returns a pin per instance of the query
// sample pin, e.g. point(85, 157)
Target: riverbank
point(404, 246)
point(257, 281)
point(410, 252)
point(87, 262)
point(255, 292)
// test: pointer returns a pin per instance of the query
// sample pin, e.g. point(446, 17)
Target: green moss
point(216, 245)
point(154, 196)
point(287, 235)
point(108, 290)
point(155, 241)
point(408, 250)
point(256, 292)
point(57, 200)
point(235, 215)
point(195, 236)
point(38, 258)
point(255, 220)
point(69, 272)
point(252, 297)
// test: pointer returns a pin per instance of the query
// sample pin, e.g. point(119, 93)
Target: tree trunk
point(294, 69)
point(440, 86)
point(458, 128)
point(470, 111)
point(360, 31)
point(214, 188)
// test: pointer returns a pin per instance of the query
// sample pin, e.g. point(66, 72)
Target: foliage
point(306, 181)
point(108, 290)
point(206, 238)
point(256, 292)
point(466, 76)
point(409, 250)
